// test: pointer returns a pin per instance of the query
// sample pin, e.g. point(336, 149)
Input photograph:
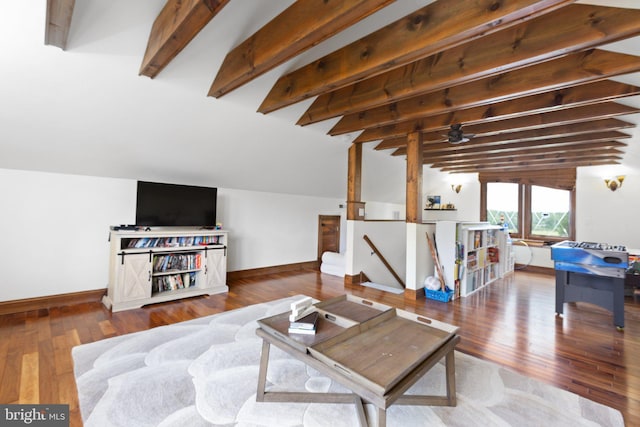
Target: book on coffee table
point(305, 325)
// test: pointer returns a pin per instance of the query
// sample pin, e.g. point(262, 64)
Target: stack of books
point(305, 325)
point(303, 318)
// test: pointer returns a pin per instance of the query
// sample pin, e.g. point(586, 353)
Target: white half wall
point(55, 229)
point(390, 239)
point(420, 263)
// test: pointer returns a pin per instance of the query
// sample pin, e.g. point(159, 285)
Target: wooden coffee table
point(377, 352)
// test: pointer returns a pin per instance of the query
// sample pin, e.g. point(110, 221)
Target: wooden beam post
point(414, 177)
point(355, 207)
point(59, 14)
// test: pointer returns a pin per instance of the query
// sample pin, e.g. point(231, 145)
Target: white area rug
point(204, 372)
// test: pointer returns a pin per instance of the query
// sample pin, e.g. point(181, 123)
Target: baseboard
point(46, 302)
point(535, 269)
point(414, 295)
point(253, 272)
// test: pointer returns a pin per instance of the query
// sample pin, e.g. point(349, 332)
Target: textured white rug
point(204, 372)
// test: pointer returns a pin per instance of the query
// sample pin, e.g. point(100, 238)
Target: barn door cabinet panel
point(147, 267)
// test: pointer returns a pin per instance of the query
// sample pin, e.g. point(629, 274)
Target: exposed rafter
point(589, 95)
point(451, 159)
point(557, 33)
point(59, 14)
point(494, 143)
point(571, 70)
point(301, 26)
point(534, 131)
point(177, 24)
point(526, 78)
point(530, 165)
point(434, 28)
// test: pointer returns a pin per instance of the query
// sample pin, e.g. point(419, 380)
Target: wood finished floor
point(512, 323)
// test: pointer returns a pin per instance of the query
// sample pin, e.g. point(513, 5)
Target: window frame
point(524, 209)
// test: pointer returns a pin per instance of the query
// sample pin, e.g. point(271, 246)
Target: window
point(550, 212)
point(502, 205)
point(533, 211)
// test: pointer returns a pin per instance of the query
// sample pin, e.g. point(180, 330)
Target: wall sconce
point(614, 183)
point(458, 187)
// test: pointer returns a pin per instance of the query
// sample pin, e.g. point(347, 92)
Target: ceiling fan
point(456, 136)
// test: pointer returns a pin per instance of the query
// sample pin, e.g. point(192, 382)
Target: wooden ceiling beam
point(453, 158)
point(529, 162)
point(531, 165)
point(568, 117)
point(578, 100)
point(431, 29)
point(300, 27)
point(533, 132)
point(543, 154)
point(478, 145)
point(571, 70)
point(59, 14)
point(435, 156)
point(176, 25)
point(540, 39)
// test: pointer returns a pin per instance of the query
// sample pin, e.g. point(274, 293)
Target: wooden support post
point(355, 207)
point(414, 177)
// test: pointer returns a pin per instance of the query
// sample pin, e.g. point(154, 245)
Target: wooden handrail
point(384, 261)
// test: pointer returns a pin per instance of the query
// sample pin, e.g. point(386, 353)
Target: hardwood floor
point(512, 323)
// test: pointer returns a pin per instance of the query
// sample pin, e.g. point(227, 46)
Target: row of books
point(482, 238)
point(173, 282)
point(170, 242)
point(190, 261)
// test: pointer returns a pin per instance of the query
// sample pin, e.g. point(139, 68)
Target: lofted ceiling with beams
point(532, 84)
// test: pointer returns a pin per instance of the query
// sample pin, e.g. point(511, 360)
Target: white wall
point(55, 229)
point(384, 211)
point(466, 202)
point(606, 216)
point(268, 229)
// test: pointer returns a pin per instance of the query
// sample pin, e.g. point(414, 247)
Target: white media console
point(152, 266)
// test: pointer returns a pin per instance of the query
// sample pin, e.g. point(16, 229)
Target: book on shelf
point(305, 325)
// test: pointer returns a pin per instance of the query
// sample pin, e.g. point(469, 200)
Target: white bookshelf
point(473, 254)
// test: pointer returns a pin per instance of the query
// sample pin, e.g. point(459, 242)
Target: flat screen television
point(171, 205)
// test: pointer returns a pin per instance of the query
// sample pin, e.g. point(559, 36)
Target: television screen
point(175, 205)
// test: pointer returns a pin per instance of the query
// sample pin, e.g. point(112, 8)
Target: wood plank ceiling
point(525, 79)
